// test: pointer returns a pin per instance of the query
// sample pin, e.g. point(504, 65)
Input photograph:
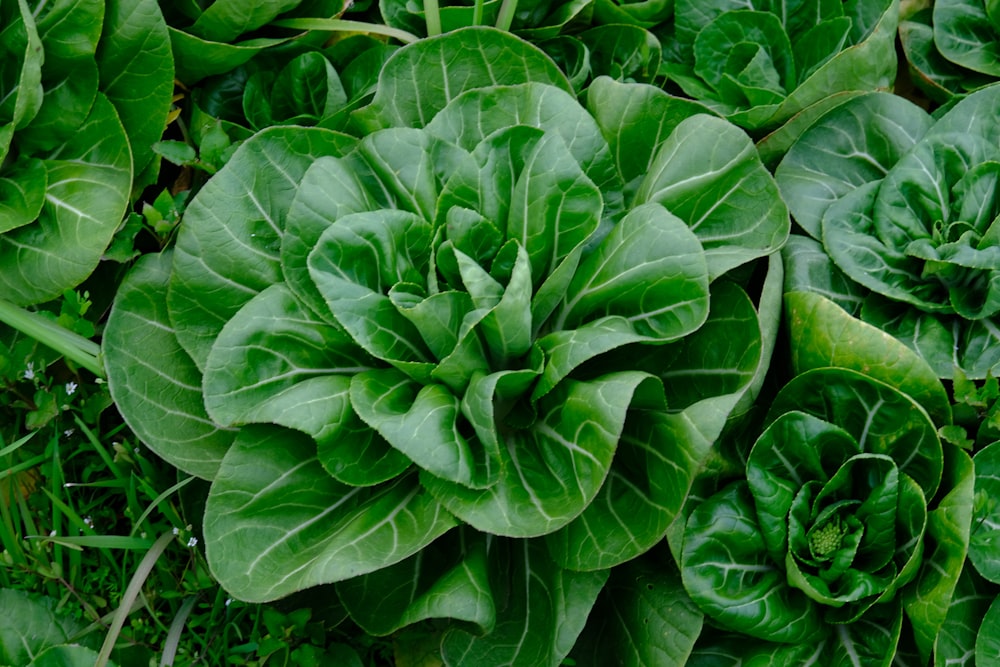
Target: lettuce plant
point(760, 63)
point(905, 209)
point(950, 49)
point(850, 523)
point(464, 362)
point(84, 92)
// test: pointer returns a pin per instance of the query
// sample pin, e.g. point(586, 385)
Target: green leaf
point(21, 71)
point(137, 74)
point(823, 334)
point(551, 469)
point(31, 625)
point(728, 573)
point(448, 579)
point(928, 601)
point(965, 35)
point(69, 34)
point(985, 537)
point(709, 175)
point(419, 81)
point(196, 58)
point(970, 602)
point(234, 225)
point(410, 416)
point(988, 638)
point(474, 116)
point(89, 180)
point(225, 20)
point(355, 263)
point(152, 379)
point(882, 419)
point(648, 259)
point(289, 526)
point(643, 617)
point(635, 119)
point(274, 362)
point(540, 613)
point(853, 144)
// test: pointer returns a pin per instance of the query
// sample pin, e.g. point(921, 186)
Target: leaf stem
point(433, 15)
point(340, 25)
point(506, 15)
point(477, 13)
point(86, 353)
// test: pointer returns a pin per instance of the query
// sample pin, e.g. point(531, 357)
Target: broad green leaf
point(988, 638)
point(137, 73)
point(474, 116)
point(709, 175)
point(823, 334)
point(225, 20)
point(89, 180)
point(424, 423)
point(30, 625)
point(21, 71)
point(22, 193)
point(551, 469)
point(643, 618)
point(289, 526)
point(196, 58)
point(276, 363)
point(932, 73)
point(657, 458)
point(965, 35)
point(728, 573)
point(419, 81)
point(228, 246)
point(809, 269)
point(331, 188)
point(449, 579)
point(882, 419)
point(985, 534)
point(69, 33)
point(855, 143)
point(650, 269)
point(946, 545)
point(153, 380)
point(540, 612)
point(955, 642)
point(635, 119)
point(355, 263)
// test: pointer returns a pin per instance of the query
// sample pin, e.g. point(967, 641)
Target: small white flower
point(29, 372)
point(229, 601)
point(68, 432)
point(192, 542)
point(52, 533)
point(177, 531)
point(70, 388)
point(89, 521)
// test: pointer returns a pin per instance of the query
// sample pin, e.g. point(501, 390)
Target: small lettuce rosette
point(830, 545)
point(761, 63)
point(902, 210)
point(487, 339)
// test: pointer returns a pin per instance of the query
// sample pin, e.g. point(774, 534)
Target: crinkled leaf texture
point(463, 370)
point(905, 208)
point(829, 535)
